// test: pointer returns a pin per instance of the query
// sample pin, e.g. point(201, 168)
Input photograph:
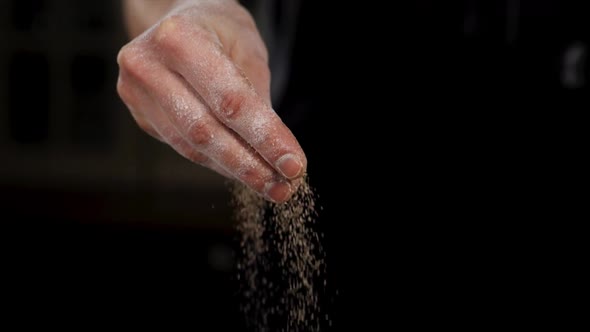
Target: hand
point(199, 81)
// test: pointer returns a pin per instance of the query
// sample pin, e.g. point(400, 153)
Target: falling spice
point(281, 267)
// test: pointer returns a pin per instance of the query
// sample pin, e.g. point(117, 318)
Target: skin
point(195, 76)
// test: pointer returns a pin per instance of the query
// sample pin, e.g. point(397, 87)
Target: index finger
point(200, 59)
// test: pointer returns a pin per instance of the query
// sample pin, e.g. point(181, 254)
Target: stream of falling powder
point(282, 264)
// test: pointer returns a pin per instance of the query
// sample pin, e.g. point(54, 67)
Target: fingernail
point(277, 192)
point(290, 166)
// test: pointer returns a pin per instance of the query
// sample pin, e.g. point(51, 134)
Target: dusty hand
point(198, 80)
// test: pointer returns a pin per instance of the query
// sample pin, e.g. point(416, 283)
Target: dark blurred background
point(98, 219)
point(101, 221)
point(517, 49)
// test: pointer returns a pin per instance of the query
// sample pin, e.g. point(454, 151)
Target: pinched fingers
point(179, 116)
point(228, 92)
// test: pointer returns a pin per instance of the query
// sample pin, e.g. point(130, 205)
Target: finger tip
point(278, 192)
point(291, 166)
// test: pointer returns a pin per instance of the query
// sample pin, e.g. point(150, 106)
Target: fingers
point(229, 93)
point(143, 107)
point(188, 126)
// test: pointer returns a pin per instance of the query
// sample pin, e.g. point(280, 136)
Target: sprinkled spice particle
point(281, 267)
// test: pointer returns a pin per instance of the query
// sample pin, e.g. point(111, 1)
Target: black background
point(87, 245)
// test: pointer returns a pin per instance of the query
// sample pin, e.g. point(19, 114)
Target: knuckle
point(173, 32)
point(261, 54)
point(197, 157)
point(171, 136)
point(123, 54)
point(200, 134)
point(232, 105)
point(126, 56)
point(146, 127)
point(244, 17)
point(255, 177)
point(123, 90)
point(126, 94)
point(130, 61)
point(168, 31)
point(250, 176)
point(176, 37)
point(173, 140)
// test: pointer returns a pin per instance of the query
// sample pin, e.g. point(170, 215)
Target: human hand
point(198, 80)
